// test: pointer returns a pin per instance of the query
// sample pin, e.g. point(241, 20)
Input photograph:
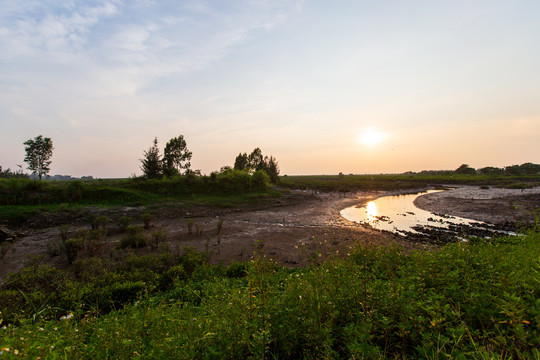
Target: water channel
point(398, 214)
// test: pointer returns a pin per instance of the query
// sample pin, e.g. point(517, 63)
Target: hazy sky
point(324, 86)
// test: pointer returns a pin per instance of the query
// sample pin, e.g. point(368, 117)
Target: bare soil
point(294, 230)
point(498, 206)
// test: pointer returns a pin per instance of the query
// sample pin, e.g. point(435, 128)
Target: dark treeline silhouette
point(523, 169)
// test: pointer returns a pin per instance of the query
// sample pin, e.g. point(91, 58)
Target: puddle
point(398, 214)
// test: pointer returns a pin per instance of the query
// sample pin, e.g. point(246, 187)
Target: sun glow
point(370, 137)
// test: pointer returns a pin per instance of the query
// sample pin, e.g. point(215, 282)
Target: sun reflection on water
point(371, 211)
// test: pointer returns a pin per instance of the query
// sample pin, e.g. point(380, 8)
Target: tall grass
point(476, 299)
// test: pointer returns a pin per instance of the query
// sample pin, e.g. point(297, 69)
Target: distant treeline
point(8, 173)
point(523, 169)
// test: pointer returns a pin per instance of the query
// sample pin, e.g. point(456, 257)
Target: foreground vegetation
point(478, 299)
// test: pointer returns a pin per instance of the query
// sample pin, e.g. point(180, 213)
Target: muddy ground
point(294, 230)
point(495, 205)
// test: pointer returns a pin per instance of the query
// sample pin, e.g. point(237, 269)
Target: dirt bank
point(293, 230)
point(495, 205)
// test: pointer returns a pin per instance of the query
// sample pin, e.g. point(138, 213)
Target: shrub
point(191, 259)
point(259, 180)
point(158, 237)
point(146, 218)
point(55, 247)
point(64, 231)
point(94, 240)
point(236, 270)
point(124, 223)
point(98, 220)
point(219, 225)
point(72, 247)
point(173, 275)
point(134, 239)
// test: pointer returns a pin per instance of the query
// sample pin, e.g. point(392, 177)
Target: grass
point(477, 300)
point(403, 181)
point(22, 199)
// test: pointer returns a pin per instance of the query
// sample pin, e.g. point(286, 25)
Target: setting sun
point(370, 137)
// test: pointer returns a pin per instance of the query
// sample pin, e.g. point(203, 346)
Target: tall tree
point(176, 156)
point(272, 168)
point(151, 163)
point(256, 160)
point(241, 162)
point(38, 155)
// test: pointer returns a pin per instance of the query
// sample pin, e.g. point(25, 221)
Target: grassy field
point(21, 199)
point(403, 181)
point(467, 300)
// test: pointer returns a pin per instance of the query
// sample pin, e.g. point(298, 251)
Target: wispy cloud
point(138, 41)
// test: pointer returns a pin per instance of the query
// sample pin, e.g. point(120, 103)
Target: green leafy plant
point(147, 218)
point(72, 247)
point(135, 238)
point(158, 237)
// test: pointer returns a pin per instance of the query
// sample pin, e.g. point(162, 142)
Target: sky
point(324, 86)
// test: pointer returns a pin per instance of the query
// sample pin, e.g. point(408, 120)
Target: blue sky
point(435, 83)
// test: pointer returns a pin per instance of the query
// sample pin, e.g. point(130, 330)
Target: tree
point(241, 162)
point(176, 156)
point(256, 160)
point(272, 168)
point(490, 170)
point(38, 155)
point(465, 169)
point(151, 163)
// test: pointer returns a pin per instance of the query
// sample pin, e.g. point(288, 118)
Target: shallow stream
point(398, 214)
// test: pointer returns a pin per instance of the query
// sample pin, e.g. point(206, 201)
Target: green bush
point(135, 238)
point(147, 218)
point(158, 237)
point(124, 222)
point(72, 247)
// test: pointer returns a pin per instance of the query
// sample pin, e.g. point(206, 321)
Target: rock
point(6, 234)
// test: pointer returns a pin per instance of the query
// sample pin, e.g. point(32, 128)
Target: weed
point(190, 226)
point(124, 222)
point(134, 239)
point(147, 218)
point(158, 237)
point(64, 231)
point(72, 247)
point(219, 225)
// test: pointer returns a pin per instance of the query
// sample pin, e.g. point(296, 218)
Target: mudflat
point(497, 206)
point(296, 229)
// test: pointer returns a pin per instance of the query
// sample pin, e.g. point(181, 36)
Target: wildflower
point(16, 352)
point(66, 317)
